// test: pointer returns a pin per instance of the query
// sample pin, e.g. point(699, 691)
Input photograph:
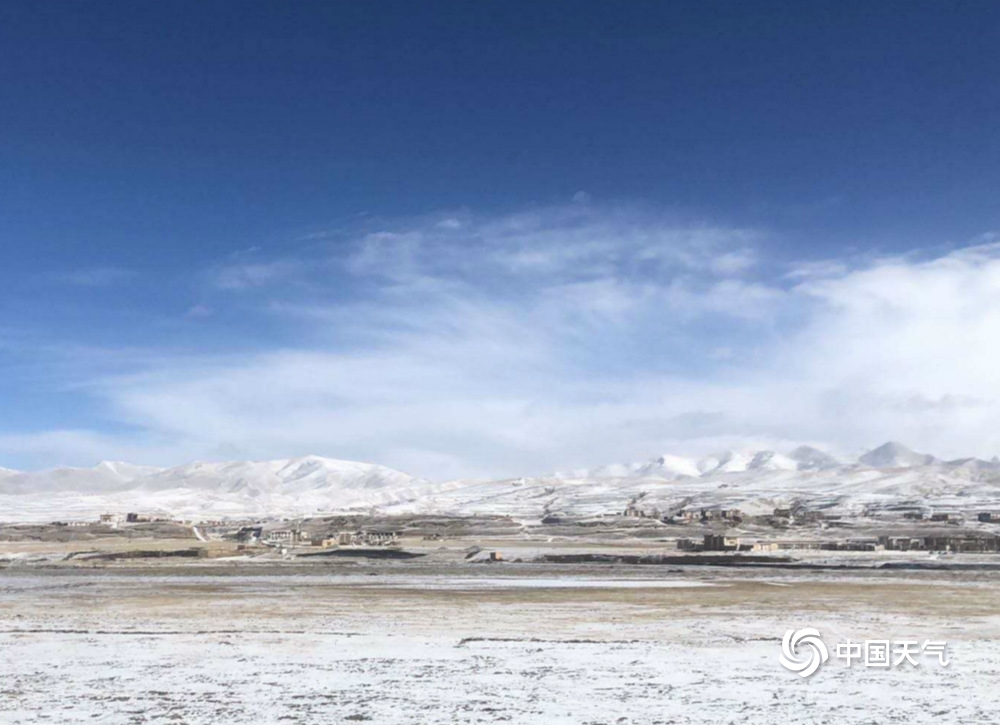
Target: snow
point(123, 647)
point(125, 471)
point(895, 455)
point(733, 462)
point(754, 481)
point(667, 466)
point(771, 461)
point(808, 458)
point(207, 490)
point(766, 481)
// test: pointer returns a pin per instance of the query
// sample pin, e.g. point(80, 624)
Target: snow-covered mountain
point(889, 477)
point(105, 477)
point(666, 467)
point(670, 467)
point(771, 461)
point(297, 486)
point(754, 482)
point(895, 455)
point(808, 458)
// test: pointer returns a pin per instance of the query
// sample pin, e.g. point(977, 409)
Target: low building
point(138, 518)
point(863, 545)
point(729, 515)
point(249, 534)
point(853, 545)
point(633, 511)
point(963, 544)
point(901, 543)
point(719, 542)
point(989, 517)
point(946, 517)
point(363, 538)
point(688, 516)
point(280, 536)
point(799, 544)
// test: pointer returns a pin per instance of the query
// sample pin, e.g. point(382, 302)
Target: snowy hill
point(756, 482)
point(667, 466)
point(298, 486)
point(771, 461)
point(890, 477)
point(808, 458)
point(895, 455)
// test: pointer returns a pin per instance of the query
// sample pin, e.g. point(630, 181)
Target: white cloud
point(805, 270)
point(736, 262)
point(85, 447)
point(575, 336)
point(554, 244)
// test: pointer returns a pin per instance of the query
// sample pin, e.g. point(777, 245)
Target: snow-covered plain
point(270, 646)
point(889, 477)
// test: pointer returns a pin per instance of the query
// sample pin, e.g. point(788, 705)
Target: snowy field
point(517, 644)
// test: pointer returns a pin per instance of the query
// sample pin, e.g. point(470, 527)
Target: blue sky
point(493, 238)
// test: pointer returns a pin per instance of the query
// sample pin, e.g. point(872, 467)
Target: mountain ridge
point(888, 476)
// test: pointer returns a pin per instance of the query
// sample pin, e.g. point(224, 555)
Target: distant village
point(783, 518)
point(251, 533)
point(727, 530)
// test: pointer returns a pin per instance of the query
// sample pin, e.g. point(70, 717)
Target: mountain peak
point(125, 471)
point(771, 461)
point(669, 466)
point(812, 459)
point(895, 455)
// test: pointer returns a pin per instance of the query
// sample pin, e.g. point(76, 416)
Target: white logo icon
point(809, 639)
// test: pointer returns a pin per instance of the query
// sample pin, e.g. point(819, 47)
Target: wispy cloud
point(554, 245)
point(247, 275)
point(199, 311)
point(95, 276)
